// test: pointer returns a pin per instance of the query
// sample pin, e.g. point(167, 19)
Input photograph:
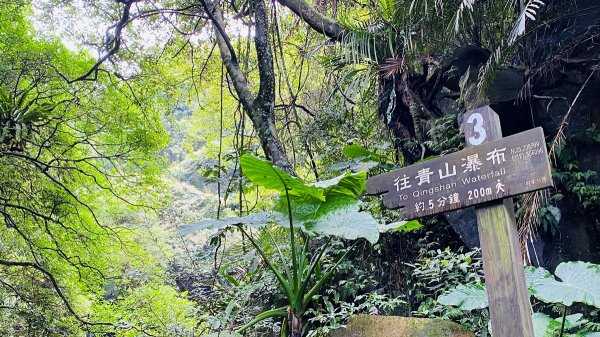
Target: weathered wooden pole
point(510, 310)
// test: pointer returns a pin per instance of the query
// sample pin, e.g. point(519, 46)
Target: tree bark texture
point(259, 107)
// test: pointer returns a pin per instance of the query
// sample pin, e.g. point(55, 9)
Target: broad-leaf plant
point(319, 210)
point(579, 283)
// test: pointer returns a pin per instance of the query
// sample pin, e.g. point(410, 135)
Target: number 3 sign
point(478, 139)
point(481, 126)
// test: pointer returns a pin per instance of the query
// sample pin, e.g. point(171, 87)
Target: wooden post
point(510, 310)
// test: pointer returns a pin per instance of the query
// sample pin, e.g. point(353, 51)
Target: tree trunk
point(259, 108)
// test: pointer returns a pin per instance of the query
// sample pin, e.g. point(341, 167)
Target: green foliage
point(227, 280)
point(438, 271)
point(549, 217)
point(264, 174)
point(577, 183)
point(466, 297)
point(333, 313)
point(328, 207)
point(581, 185)
point(325, 208)
point(17, 117)
point(79, 175)
point(311, 208)
point(444, 135)
point(362, 159)
point(151, 308)
point(542, 323)
point(358, 152)
point(348, 222)
point(355, 289)
point(545, 326)
point(390, 35)
point(576, 190)
point(441, 270)
point(223, 334)
point(401, 226)
point(579, 283)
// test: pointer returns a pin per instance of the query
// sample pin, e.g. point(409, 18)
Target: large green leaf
point(327, 207)
point(255, 220)
point(466, 297)
point(339, 214)
point(580, 282)
point(361, 159)
point(401, 226)
point(535, 275)
point(543, 325)
point(572, 321)
point(348, 222)
point(264, 174)
point(339, 192)
point(348, 184)
point(358, 152)
point(342, 194)
point(546, 326)
point(365, 166)
point(471, 297)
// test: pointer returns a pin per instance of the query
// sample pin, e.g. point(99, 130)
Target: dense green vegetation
point(133, 200)
point(79, 183)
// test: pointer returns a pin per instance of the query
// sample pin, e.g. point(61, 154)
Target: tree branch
point(228, 55)
point(316, 20)
point(54, 285)
point(264, 53)
point(264, 104)
point(116, 40)
point(259, 108)
point(218, 24)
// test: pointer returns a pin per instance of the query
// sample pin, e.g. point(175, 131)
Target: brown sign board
point(499, 169)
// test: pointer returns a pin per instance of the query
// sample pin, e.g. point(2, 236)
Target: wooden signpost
point(489, 171)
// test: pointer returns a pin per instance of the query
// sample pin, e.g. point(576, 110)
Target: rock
point(461, 59)
point(464, 223)
point(396, 326)
point(506, 86)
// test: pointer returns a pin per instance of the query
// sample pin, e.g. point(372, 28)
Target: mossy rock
point(395, 326)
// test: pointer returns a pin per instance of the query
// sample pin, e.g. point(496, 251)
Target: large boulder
point(395, 326)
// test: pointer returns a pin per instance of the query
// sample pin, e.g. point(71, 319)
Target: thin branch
point(55, 286)
point(115, 48)
point(219, 27)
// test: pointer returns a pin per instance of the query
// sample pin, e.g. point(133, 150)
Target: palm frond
point(529, 12)
point(487, 72)
point(464, 5)
point(507, 47)
point(392, 66)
